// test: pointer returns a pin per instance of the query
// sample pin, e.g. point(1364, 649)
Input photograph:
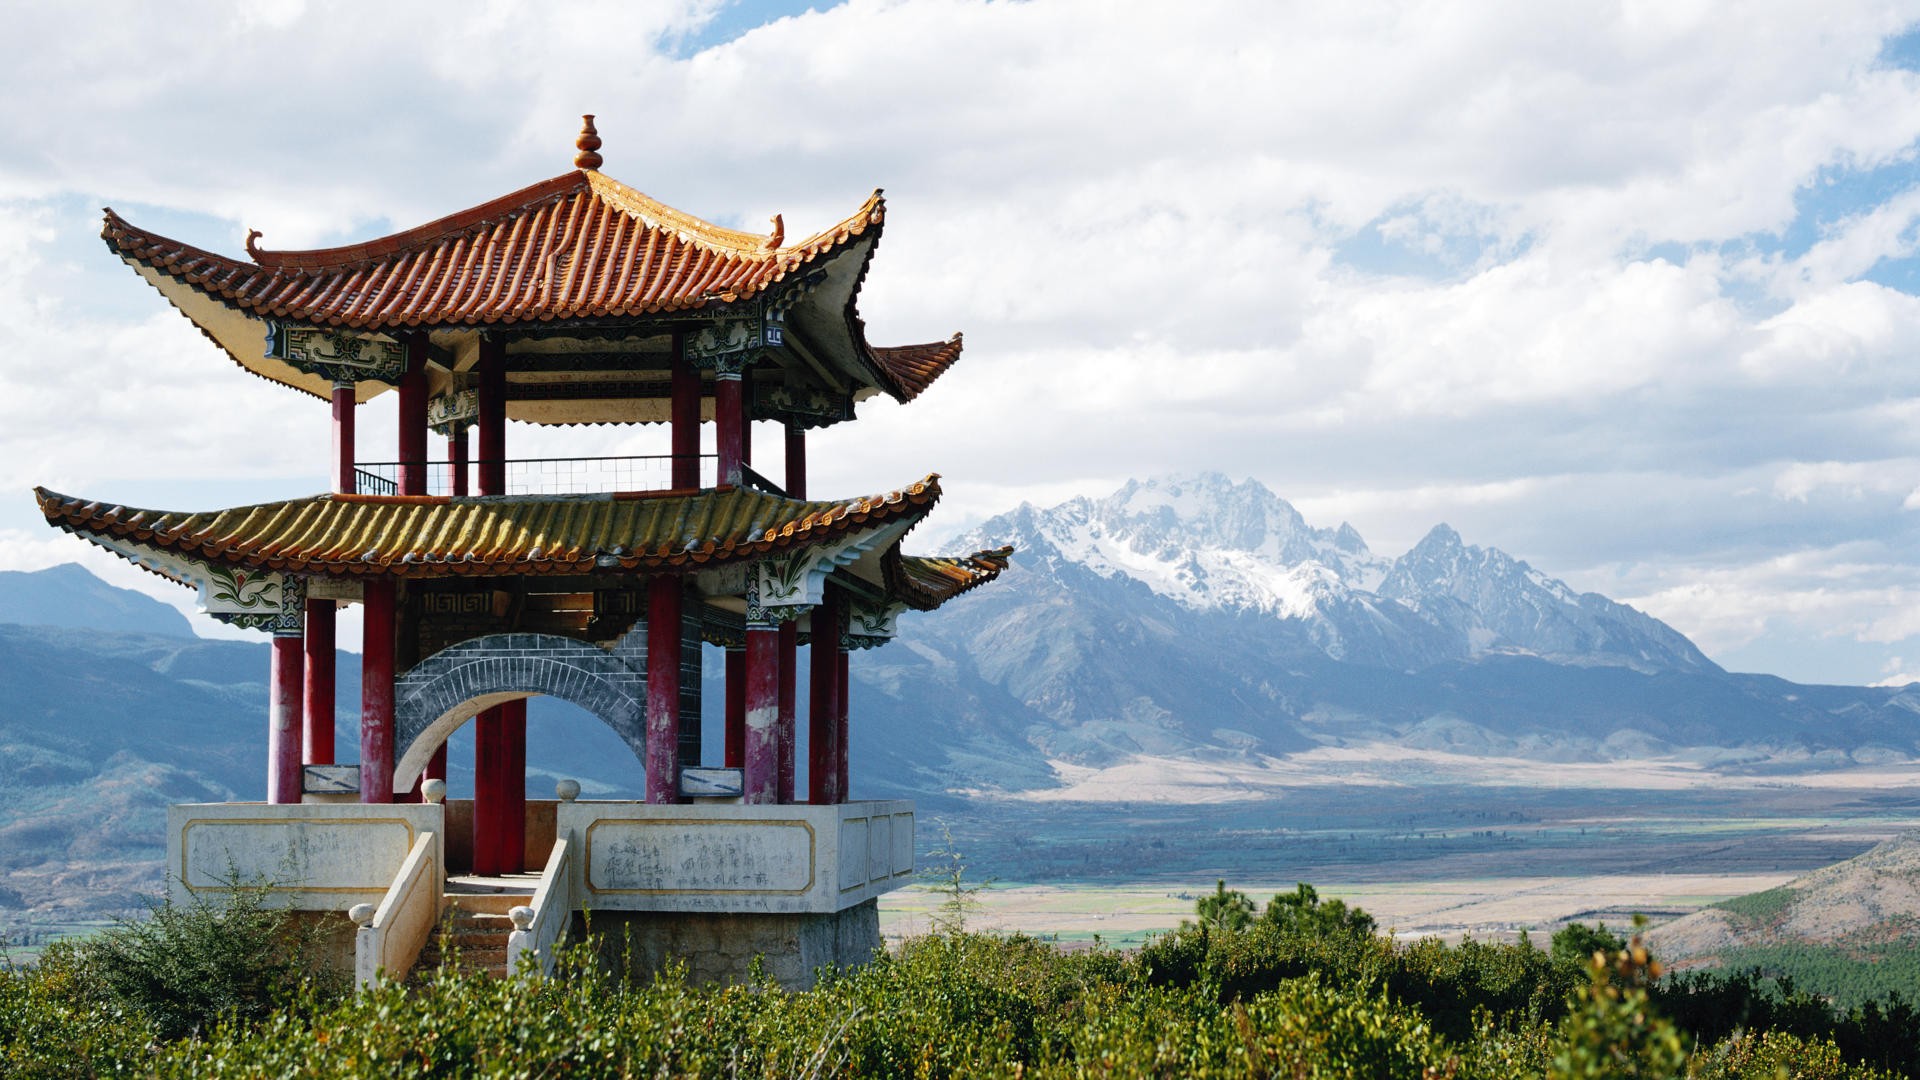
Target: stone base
point(719, 948)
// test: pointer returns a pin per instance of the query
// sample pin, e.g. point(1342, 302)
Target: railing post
point(366, 946)
point(520, 942)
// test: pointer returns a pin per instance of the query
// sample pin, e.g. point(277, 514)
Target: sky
point(1630, 290)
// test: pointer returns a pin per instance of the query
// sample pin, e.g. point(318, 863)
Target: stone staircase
point(473, 928)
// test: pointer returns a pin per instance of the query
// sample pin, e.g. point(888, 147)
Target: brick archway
point(441, 692)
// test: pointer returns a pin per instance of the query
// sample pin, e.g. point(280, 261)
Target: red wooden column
point(729, 417)
point(489, 778)
point(788, 723)
point(823, 708)
point(513, 786)
point(283, 719)
point(316, 744)
point(376, 694)
point(492, 751)
point(457, 459)
point(317, 706)
point(492, 394)
point(842, 744)
point(784, 726)
point(796, 461)
point(735, 724)
point(761, 782)
point(413, 418)
point(343, 402)
point(685, 417)
point(663, 689)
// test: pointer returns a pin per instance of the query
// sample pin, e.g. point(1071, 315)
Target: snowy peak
point(1204, 542)
point(1209, 544)
point(1501, 605)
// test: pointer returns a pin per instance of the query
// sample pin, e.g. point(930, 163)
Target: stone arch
point(439, 693)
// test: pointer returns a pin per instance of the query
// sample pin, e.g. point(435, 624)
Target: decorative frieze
point(870, 626)
point(256, 601)
point(804, 408)
point(457, 408)
point(336, 356)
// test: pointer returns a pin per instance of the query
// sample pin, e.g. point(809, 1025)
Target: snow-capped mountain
point(1210, 544)
point(1201, 620)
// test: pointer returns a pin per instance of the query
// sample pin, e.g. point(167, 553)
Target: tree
point(1226, 909)
point(1303, 912)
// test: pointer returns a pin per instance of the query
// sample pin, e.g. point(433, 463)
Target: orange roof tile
point(926, 582)
point(441, 536)
point(914, 367)
point(579, 245)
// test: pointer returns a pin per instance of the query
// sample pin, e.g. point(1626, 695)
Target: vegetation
point(1306, 989)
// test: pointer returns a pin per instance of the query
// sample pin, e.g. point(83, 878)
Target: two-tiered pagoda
point(483, 579)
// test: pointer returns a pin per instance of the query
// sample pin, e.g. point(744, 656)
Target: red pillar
point(796, 461)
point(823, 711)
point(492, 393)
point(761, 783)
point(686, 418)
point(728, 419)
point(790, 631)
point(663, 689)
point(489, 782)
point(317, 741)
point(343, 402)
point(413, 418)
point(491, 752)
point(842, 744)
point(735, 725)
point(457, 459)
point(376, 694)
point(283, 720)
point(789, 679)
point(513, 807)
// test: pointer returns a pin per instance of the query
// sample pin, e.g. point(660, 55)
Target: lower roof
point(424, 536)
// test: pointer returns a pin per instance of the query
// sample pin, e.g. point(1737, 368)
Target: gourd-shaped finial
point(587, 144)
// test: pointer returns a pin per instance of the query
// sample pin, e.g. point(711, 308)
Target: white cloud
point(1390, 259)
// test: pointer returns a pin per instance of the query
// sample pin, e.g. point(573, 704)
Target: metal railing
point(538, 476)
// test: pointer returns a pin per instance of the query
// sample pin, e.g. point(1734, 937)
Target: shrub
point(186, 966)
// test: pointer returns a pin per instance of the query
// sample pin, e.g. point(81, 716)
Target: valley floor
point(1429, 860)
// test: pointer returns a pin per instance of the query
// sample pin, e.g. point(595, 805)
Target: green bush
point(187, 966)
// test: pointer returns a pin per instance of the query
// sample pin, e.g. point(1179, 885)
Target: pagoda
point(482, 579)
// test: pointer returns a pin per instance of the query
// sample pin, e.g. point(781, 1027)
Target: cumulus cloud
point(1548, 272)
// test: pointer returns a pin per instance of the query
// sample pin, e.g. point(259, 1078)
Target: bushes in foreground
point(1304, 992)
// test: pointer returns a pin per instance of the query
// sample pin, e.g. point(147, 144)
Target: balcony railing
point(539, 476)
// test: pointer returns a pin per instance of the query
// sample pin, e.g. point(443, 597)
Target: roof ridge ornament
point(253, 249)
point(587, 144)
point(779, 234)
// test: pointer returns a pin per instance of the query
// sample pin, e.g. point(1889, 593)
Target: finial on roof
point(253, 249)
point(587, 143)
point(779, 232)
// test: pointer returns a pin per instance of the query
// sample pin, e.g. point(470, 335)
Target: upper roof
point(579, 245)
point(444, 536)
point(583, 278)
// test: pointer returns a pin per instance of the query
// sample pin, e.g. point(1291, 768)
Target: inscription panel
point(694, 856)
point(308, 856)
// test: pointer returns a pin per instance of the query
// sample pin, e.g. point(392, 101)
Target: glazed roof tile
point(926, 582)
point(914, 367)
point(443, 536)
point(576, 246)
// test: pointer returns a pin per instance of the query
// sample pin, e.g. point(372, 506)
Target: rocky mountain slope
point(1869, 899)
